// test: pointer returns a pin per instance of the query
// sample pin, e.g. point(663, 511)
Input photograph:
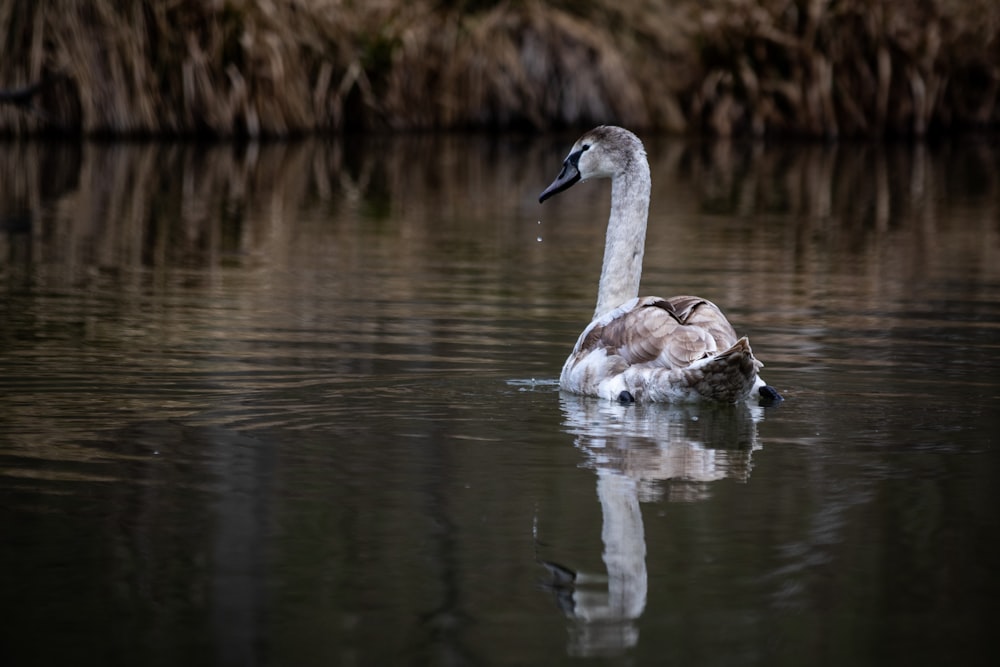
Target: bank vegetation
point(284, 67)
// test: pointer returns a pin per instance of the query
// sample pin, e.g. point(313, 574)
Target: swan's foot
point(627, 397)
point(769, 396)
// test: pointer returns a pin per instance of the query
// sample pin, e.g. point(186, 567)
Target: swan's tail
point(729, 376)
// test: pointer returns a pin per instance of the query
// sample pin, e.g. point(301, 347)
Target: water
point(297, 404)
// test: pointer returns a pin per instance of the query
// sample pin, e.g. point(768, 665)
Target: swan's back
point(675, 331)
point(677, 349)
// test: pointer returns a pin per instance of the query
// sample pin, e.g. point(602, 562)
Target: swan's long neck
point(626, 238)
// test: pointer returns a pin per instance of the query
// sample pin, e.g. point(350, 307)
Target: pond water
point(296, 403)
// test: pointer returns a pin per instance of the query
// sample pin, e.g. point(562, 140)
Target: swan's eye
point(585, 147)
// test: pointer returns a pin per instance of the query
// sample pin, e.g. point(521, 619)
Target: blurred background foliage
point(822, 68)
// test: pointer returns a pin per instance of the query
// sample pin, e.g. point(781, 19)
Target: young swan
point(646, 348)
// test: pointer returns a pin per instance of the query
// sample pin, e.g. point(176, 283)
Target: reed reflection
point(641, 454)
point(66, 209)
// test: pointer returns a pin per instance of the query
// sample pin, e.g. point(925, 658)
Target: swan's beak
point(569, 175)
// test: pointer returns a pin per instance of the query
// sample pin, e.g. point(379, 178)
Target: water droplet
point(539, 239)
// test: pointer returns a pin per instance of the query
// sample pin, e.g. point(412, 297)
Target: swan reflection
point(635, 449)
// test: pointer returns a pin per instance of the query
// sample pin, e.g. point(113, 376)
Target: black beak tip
point(565, 180)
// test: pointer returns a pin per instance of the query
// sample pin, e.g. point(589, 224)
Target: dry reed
point(854, 67)
point(276, 68)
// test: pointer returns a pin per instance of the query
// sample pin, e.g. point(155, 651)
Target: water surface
point(296, 404)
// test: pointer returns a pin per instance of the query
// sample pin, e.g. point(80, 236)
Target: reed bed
point(284, 67)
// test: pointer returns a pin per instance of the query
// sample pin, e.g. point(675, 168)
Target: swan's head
point(603, 152)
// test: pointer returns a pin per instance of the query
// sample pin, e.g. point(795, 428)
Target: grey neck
point(626, 237)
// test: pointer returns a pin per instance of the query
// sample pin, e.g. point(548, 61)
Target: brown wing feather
point(705, 315)
point(674, 332)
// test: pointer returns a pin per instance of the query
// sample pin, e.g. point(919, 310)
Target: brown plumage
point(681, 330)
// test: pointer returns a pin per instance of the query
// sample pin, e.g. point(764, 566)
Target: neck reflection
point(634, 450)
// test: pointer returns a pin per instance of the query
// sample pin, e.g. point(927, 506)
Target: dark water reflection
point(633, 450)
point(295, 403)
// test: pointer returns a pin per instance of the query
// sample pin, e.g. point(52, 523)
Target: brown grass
point(282, 67)
point(850, 67)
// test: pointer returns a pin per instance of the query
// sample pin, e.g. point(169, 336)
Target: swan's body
point(646, 349)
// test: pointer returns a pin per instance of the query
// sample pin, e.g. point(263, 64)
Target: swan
point(647, 349)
